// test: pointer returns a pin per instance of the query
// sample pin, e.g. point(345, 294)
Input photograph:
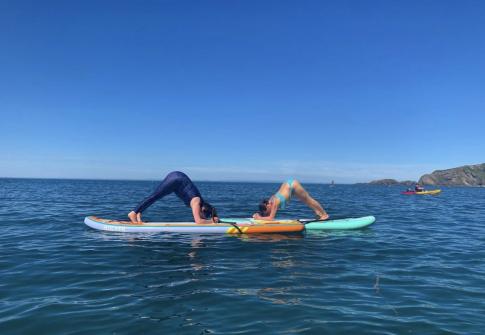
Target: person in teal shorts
point(269, 207)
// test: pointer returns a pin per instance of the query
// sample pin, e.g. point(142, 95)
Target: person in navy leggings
point(179, 183)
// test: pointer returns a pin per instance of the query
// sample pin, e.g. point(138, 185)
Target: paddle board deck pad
point(245, 227)
point(340, 224)
point(421, 193)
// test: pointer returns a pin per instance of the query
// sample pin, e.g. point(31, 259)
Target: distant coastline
point(467, 175)
point(390, 182)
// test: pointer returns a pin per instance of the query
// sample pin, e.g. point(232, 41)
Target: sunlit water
point(420, 269)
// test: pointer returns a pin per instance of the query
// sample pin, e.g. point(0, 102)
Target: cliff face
point(468, 175)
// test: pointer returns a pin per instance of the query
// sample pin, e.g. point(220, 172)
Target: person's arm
point(272, 214)
point(195, 205)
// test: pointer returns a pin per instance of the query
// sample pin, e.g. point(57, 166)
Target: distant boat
point(332, 184)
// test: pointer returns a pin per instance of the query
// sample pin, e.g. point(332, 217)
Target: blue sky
point(241, 90)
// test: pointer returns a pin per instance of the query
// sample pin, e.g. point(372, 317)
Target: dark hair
point(208, 210)
point(262, 207)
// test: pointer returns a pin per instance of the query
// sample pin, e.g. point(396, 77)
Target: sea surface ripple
point(420, 269)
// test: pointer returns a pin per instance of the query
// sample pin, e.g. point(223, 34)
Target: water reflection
point(274, 295)
point(340, 233)
point(277, 296)
point(195, 262)
point(269, 237)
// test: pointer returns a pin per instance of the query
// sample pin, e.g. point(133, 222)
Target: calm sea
point(420, 269)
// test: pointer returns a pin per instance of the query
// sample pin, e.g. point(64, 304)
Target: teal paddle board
point(341, 224)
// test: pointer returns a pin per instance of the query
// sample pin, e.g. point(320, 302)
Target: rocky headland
point(389, 182)
point(468, 175)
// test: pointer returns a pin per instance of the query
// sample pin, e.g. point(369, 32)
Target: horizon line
point(195, 180)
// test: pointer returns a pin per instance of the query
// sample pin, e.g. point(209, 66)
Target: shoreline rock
point(468, 175)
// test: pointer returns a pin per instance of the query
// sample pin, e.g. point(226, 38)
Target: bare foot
point(324, 216)
point(133, 217)
point(138, 217)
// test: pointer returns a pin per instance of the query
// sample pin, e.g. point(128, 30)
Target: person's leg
point(303, 195)
point(164, 188)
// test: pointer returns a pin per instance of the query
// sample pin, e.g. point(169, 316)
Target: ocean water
point(420, 269)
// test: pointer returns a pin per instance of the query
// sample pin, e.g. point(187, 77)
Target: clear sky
point(241, 90)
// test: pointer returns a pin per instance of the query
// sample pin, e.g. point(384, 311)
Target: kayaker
point(179, 183)
point(418, 188)
point(269, 207)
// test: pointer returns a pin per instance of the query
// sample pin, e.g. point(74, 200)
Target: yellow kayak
point(429, 192)
point(423, 192)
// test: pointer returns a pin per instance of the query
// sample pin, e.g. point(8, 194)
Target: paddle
point(333, 218)
point(303, 221)
point(232, 224)
point(310, 221)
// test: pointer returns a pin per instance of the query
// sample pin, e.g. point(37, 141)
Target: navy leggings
point(175, 182)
